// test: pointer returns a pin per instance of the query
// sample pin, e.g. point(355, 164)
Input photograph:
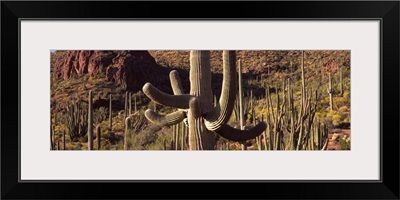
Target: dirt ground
point(336, 145)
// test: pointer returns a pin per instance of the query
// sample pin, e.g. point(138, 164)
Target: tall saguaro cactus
point(98, 137)
point(203, 118)
point(330, 92)
point(110, 113)
point(126, 104)
point(90, 121)
point(126, 135)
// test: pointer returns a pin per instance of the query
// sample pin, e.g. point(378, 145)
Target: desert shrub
point(70, 146)
point(78, 146)
point(332, 113)
point(347, 119)
point(100, 115)
point(118, 125)
point(318, 115)
point(336, 119)
point(139, 140)
point(158, 144)
point(341, 101)
point(343, 109)
point(109, 136)
point(344, 145)
point(346, 95)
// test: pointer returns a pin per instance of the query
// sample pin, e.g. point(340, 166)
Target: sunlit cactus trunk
point(200, 87)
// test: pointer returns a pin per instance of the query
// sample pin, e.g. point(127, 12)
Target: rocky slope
point(130, 68)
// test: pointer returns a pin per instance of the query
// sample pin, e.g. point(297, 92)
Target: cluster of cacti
point(291, 126)
point(203, 118)
point(76, 120)
point(200, 117)
point(55, 138)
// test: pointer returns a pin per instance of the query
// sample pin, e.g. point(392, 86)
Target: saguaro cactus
point(110, 113)
point(203, 118)
point(98, 137)
point(126, 104)
point(130, 103)
point(90, 121)
point(51, 135)
point(65, 147)
point(126, 135)
point(330, 92)
point(341, 81)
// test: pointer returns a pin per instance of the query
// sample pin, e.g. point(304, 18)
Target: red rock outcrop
point(131, 68)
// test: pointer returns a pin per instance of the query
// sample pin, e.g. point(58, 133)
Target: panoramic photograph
point(259, 100)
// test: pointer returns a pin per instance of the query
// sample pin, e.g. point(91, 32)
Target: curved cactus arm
point(221, 113)
point(237, 135)
point(164, 120)
point(176, 82)
point(176, 101)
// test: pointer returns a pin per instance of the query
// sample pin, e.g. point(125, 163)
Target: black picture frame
point(386, 11)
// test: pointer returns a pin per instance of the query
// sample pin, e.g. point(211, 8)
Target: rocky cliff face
point(130, 68)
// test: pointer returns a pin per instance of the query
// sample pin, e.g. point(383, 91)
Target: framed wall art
point(110, 95)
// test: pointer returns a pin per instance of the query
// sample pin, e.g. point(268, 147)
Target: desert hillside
point(268, 79)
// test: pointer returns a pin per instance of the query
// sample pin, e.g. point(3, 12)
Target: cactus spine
point(90, 121)
point(203, 118)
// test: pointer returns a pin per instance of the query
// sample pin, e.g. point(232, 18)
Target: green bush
point(344, 145)
point(139, 140)
point(343, 109)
